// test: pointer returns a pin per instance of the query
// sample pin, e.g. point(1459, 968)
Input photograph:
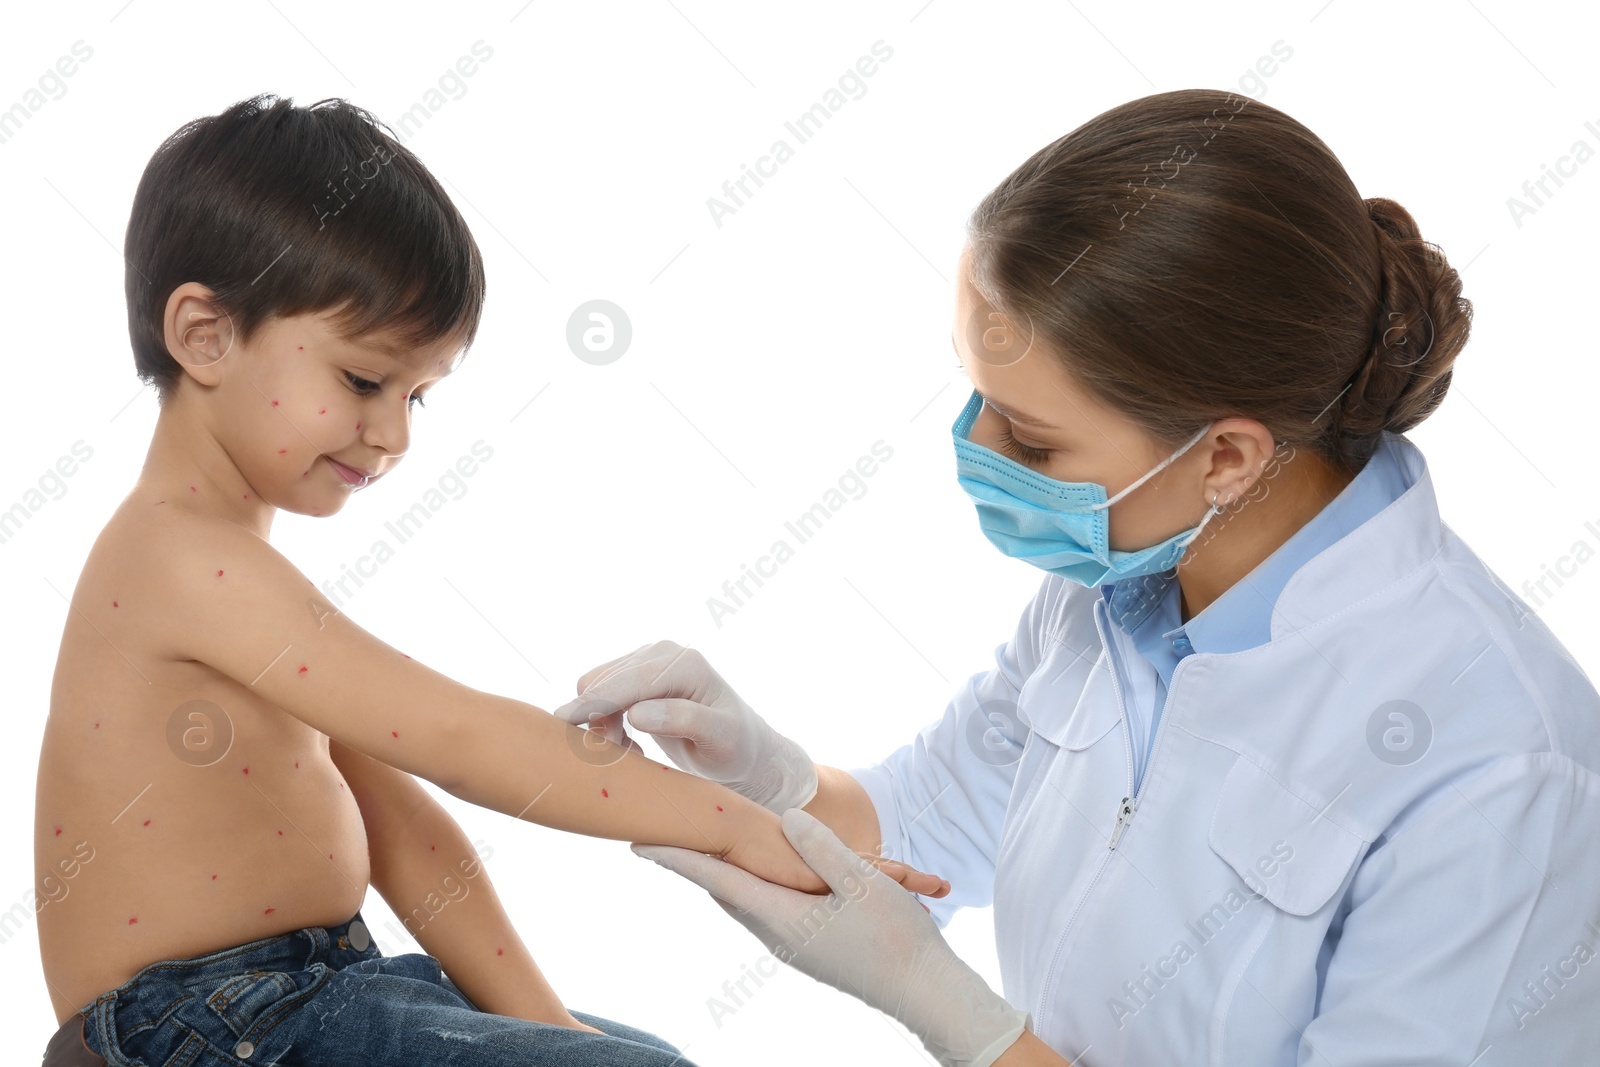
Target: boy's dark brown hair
point(282, 210)
point(1195, 254)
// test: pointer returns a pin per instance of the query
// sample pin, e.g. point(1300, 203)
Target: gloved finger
point(834, 861)
point(676, 717)
point(595, 717)
point(631, 682)
point(611, 728)
point(590, 676)
point(724, 881)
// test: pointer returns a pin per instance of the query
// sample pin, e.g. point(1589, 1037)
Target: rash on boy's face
point(300, 406)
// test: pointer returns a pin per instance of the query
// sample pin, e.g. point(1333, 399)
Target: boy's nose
point(389, 430)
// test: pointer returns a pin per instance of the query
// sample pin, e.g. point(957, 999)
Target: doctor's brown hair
point(1196, 254)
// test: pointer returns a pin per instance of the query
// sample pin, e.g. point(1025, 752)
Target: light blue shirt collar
point(1147, 606)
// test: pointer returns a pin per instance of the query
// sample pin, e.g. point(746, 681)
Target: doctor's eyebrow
point(1014, 416)
point(1017, 416)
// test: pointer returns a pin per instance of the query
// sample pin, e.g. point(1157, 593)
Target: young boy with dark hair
point(228, 760)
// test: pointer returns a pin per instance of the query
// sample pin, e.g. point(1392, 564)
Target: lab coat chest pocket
point(1285, 848)
point(1069, 701)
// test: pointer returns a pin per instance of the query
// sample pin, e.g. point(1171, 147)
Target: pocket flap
point(1068, 709)
point(1287, 850)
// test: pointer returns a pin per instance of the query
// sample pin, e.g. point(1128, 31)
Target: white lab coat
point(1281, 894)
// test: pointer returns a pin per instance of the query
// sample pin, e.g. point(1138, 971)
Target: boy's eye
point(366, 387)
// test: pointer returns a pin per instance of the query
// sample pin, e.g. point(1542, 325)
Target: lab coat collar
point(1392, 544)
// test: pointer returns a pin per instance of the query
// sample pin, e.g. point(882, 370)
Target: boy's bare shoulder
point(160, 555)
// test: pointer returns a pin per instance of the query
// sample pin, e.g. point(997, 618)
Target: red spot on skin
point(280, 833)
point(192, 489)
point(302, 348)
point(324, 411)
point(213, 878)
point(358, 426)
point(133, 920)
point(297, 765)
point(303, 669)
point(396, 733)
point(281, 451)
point(219, 574)
point(403, 654)
point(97, 726)
point(160, 502)
point(247, 496)
point(274, 403)
point(247, 770)
point(433, 848)
point(719, 807)
point(115, 604)
point(499, 952)
point(604, 793)
point(269, 911)
point(330, 855)
point(147, 822)
point(341, 785)
point(58, 831)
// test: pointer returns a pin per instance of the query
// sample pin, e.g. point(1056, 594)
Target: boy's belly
point(149, 847)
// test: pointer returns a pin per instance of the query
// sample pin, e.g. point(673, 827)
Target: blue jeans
point(312, 998)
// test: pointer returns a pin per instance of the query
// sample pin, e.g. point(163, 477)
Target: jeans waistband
point(146, 996)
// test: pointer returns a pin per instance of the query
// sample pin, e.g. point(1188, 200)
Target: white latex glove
point(671, 693)
point(868, 937)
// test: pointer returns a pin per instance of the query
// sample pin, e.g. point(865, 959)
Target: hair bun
point(1421, 324)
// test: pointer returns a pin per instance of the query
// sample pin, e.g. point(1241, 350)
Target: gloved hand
point(868, 938)
point(700, 723)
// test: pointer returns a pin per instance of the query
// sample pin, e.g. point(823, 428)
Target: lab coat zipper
point(1053, 971)
point(1125, 808)
point(1124, 817)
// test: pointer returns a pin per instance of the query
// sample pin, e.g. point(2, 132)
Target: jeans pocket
point(252, 1003)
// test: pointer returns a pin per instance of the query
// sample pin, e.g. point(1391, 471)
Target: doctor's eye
point(1017, 450)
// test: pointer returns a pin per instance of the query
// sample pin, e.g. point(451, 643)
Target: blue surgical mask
point(1060, 527)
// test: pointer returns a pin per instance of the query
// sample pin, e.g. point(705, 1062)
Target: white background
point(768, 354)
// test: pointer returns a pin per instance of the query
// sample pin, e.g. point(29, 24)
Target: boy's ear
point(198, 332)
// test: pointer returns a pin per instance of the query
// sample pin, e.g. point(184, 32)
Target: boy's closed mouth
point(353, 475)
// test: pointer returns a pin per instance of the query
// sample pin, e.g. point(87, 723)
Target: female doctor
point(1274, 770)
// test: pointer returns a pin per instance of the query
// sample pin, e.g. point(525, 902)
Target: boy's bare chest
point(178, 812)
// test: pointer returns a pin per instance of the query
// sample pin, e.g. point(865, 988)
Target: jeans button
point(243, 1050)
point(358, 936)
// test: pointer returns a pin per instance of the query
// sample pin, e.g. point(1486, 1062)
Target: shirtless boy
point(229, 760)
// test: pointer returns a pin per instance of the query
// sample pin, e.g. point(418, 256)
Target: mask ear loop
point(1210, 511)
point(1154, 470)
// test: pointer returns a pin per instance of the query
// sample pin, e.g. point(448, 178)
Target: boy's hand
point(911, 879)
point(766, 853)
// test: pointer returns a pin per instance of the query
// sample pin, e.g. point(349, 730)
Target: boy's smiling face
point(298, 412)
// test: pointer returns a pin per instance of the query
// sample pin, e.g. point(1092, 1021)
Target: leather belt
point(68, 1048)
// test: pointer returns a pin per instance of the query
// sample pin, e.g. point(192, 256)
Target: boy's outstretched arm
point(245, 611)
point(431, 876)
